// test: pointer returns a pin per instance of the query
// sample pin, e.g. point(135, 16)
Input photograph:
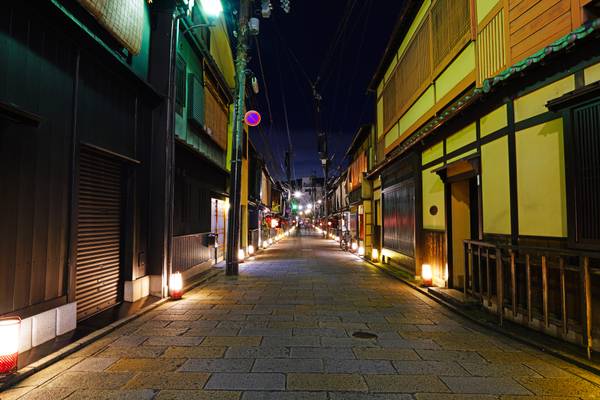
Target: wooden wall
point(36, 74)
point(534, 24)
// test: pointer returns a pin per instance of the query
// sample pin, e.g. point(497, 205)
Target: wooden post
point(587, 289)
point(563, 296)
point(528, 272)
point(488, 276)
point(467, 256)
point(479, 273)
point(500, 285)
point(513, 282)
point(545, 290)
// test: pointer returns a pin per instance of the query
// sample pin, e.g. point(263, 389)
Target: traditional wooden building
point(204, 85)
point(487, 122)
point(360, 193)
point(76, 133)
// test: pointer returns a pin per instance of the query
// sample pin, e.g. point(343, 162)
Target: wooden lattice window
point(216, 115)
point(399, 217)
point(586, 173)
point(451, 22)
point(409, 77)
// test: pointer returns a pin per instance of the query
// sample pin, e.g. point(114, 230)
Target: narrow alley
point(297, 324)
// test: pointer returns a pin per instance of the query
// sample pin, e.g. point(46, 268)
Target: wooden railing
point(550, 285)
point(190, 251)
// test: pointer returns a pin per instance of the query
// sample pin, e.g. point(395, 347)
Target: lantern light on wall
point(9, 344)
point(250, 250)
point(176, 286)
point(427, 275)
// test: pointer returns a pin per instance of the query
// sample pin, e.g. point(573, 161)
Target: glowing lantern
point(354, 246)
point(427, 275)
point(176, 286)
point(375, 255)
point(9, 344)
point(274, 223)
point(250, 250)
point(241, 255)
point(361, 251)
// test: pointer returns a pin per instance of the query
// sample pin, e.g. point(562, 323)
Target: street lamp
point(297, 194)
point(212, 8)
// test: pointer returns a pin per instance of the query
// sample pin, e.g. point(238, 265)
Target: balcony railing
point(553, 290)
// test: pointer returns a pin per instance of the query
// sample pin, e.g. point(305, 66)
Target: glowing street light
point(212, 8)
point(297, 194)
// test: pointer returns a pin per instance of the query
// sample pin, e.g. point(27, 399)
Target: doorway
point(464, 222)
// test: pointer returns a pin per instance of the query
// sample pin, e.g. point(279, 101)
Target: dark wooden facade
point(61, 91)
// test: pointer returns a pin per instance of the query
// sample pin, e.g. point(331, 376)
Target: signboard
point(252, 118)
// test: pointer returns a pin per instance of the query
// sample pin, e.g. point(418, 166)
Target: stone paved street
point(283, 330)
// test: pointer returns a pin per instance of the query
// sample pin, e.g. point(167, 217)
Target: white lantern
point(250, 250)
point(9, 344)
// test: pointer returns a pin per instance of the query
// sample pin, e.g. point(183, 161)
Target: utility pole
point(244, 30)
point(322, 146)
point(241, 62)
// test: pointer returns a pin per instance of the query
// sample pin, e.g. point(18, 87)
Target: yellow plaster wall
point(494, 121)
point(541, 180)
point(461, 138)
point(461, 155)
point(484, 7)
point(534, 103)
point(495, 186)
point(433, 195)
point(220, 50)
point(462, 66)
point(432, 153)
point(391, 135)
point(420, 107)
point(592, 74)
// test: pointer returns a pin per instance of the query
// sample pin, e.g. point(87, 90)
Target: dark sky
point(296, 48)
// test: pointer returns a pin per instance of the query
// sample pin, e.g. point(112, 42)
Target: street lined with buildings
point(292, 326)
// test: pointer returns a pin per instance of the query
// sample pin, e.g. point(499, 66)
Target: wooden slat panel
point(216, 115)
point(451, 21)
point(409, 76)
point(491, 47)
point(535, 24)
point(98, 234)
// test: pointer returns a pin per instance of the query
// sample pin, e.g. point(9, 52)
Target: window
point(585, 163)
point(451, 22)
point(399, 217)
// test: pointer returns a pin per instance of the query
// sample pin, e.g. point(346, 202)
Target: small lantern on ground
point(241, 255)
point(375, 255)
point(354, 246)
point(176, 286)
point(361, 251)
point(250, 250)
point(9, 344)
point(427, 275)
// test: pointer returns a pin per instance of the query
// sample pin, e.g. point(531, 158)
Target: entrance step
point(454, 297)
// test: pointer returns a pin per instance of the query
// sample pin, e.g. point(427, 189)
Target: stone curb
point(62, 353)
point(563, 355)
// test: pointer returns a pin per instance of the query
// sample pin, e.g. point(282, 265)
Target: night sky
point(296, 48)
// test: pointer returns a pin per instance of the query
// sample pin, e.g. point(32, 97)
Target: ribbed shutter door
point(98, 234)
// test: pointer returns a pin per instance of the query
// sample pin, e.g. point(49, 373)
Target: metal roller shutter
point(98, 233)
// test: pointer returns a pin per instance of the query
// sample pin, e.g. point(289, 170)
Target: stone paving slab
point(283, 330)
